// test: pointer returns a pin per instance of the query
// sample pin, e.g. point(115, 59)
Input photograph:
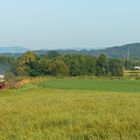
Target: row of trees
point(67, 65)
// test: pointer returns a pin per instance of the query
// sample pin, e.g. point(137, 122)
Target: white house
point(137, 67)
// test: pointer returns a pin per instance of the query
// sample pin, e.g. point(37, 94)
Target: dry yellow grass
point(34, 113)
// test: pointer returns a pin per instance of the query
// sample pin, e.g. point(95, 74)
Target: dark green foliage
point(58, 68)
point(65, 65)
point(43, 65)
point(73, 63)
point(102, 66)
point(53, 54)
point(116, 67)
point(80, 64)
point(74, 68)
point(35, 69)
point(91, 65)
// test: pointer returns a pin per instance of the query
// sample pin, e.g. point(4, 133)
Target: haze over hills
point(133, 50)
point(13, 49)
point(112, 52)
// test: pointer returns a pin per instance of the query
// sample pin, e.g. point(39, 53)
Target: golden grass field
point(32, 112)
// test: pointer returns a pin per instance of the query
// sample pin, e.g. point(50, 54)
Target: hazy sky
point(69, 23)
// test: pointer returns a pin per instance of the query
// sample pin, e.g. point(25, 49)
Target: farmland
point(91, 84)
point(71, 109)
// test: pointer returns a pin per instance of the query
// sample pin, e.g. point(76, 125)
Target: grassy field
point(71, 109)
point(90, 84)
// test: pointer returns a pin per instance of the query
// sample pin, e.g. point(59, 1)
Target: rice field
point(71, 109)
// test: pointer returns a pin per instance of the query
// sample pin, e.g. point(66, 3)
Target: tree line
point(30, 64)
point(55, 64)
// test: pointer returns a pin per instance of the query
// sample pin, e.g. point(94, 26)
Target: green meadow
point(91, 84)
point(71, 109)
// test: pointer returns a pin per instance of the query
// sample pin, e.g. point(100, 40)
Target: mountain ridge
point(111, 52)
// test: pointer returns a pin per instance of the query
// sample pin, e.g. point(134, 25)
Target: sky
point(65, 24)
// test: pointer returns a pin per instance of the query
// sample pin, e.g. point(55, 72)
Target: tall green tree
point(102, 66)
point(23, 64)
point(58, 68)
point(115, 67)
point(73, 63)
point(44, 64)
point(90, 65)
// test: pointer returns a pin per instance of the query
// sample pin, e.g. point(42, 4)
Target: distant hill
point(41, 52)
point(111, 52)
point(13, 49)
point(120, 51)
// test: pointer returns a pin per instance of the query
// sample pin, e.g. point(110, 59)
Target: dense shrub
point(115, 67)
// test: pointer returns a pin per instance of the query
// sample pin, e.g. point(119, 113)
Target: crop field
point(90, 84)
point(132, 73)
point(71, 109)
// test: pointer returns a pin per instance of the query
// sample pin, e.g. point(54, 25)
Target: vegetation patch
point(48, 114)
point(91, 84)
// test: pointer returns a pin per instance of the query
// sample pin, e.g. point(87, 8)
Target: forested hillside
point(120, 52)
point(112, 52)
